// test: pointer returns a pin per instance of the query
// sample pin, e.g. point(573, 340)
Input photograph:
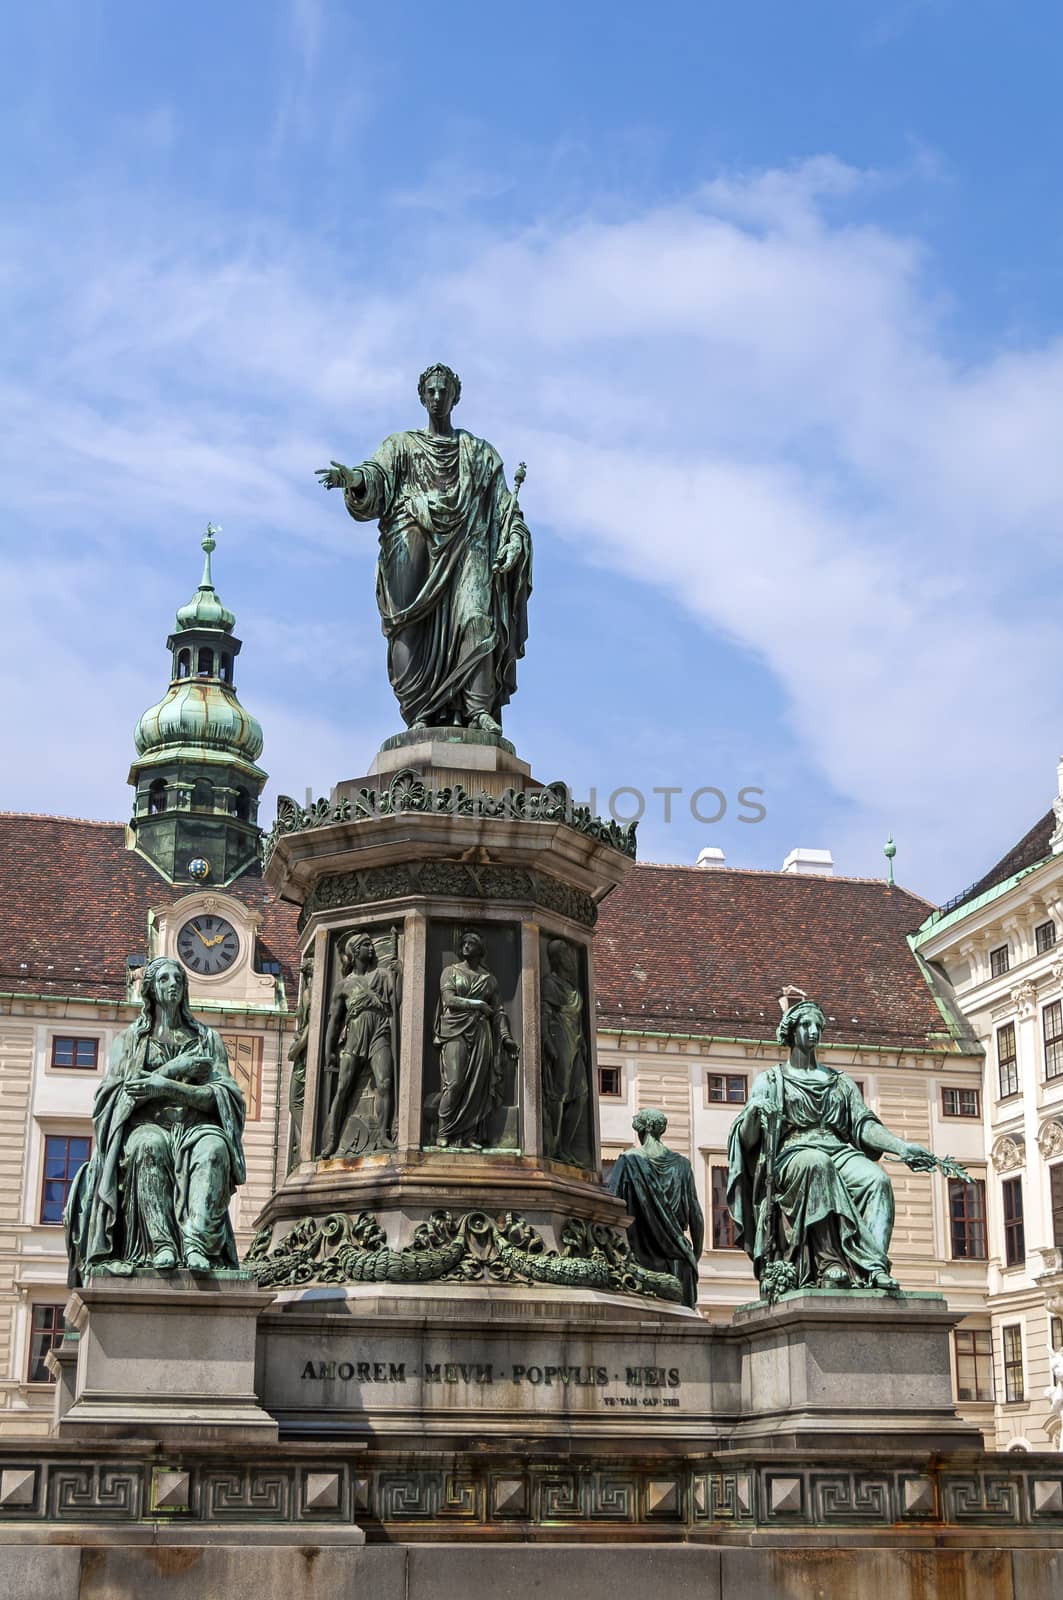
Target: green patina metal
point(454, 570)
point(811, 1205)
point(196, 776)
point(168, 1121)
point(469, 1248)
point(407, 791)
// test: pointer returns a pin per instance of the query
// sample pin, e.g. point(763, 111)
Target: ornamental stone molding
point(1056, 970)
point(1050, 1138)
point(1009, 1152)
point(1024, 999)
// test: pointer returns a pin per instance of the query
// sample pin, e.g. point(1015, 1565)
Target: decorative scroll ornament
point(408, 791)
point(1050, 1139)
point(1009, 1151)
point(1024, 998)
point(469, 1248)
point(456, 880)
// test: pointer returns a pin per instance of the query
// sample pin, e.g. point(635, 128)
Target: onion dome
point(200, 713)
point(195, 774)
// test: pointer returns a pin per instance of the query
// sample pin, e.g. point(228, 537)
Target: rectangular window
point(1052, 1028)
point(861, 1088)
point(1055, 1182)
point(974, 1363)
point(1014, 1228)
point(63, 1154)
point(82, 1054)
point(961, 1103)
point(1014, 1387)
point(727, 1088)
point(1055, 1332)
point(1007, 1060)
point(610, 1083)
point(1044, 936)
point(967, 1219)
point(46, 1331)
point(998, 961)
point(723, 1228)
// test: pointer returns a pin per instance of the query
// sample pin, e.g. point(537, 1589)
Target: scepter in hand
point(509, 548)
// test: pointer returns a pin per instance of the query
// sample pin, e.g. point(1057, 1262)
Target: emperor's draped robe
point(810, 1191)
point(455, 632)
point(662, 1201)
point(104, 1221)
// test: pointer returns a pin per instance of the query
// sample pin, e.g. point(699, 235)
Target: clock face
point(208, 944)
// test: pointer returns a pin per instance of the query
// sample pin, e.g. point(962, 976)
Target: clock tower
point(195, 815)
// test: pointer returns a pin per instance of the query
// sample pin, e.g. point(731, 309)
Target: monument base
point(435, 1364)
point(167, 1356)
point(821, 1368)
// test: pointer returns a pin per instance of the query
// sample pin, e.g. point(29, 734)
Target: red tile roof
point(74, 904)
point(708, 950)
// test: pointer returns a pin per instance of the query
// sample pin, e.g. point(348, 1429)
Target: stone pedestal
point(449, 832)
point(167, 1356)
point(822, 1369)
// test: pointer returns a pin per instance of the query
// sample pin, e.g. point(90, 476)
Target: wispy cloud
point(745, 398)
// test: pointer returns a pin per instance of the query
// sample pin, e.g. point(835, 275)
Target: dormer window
point(205, 666)
point(184, 663)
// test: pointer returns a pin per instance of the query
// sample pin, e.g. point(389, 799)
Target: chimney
point(711, 856)
point(809, 863)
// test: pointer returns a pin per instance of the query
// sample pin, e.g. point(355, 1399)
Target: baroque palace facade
point(694, 967)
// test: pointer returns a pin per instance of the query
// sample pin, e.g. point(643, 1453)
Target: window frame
point(958, 1091)
point(609, 1094)
point(1011, 1062)
point(958, 1189)
point(1055, 1201)
point(1013, 1221)
point(75, 1039)
point(727, 1079)
point(1000, 961)
point(32, 1359)
point(1052, 1047)
point(973, 1355)
point(40, 1220)
point(720, 1218)
point(1013, 1363)
point(1043, 948)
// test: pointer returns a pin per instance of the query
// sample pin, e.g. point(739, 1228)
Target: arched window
point(157, 797)
point(225, 671)
point(205, 668)
point(202, 795)
point(242, 805)
point(184, 663)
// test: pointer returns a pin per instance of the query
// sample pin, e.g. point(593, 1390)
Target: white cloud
point(745, 398)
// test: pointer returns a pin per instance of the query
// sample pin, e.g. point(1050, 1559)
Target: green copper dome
point(195, 813)
point(202, 713)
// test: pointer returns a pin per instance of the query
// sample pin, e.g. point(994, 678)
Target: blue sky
point(767, 296)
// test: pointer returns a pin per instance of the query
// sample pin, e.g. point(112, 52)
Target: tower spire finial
point(889, 850)
point(210, 544)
